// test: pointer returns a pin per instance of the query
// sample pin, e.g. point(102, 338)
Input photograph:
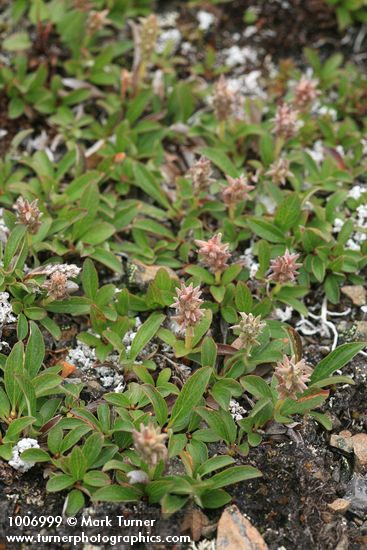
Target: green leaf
point(98, 233)
point(74, 502)
point(288, 212)
point(214, 463)
point(243, 297)
point(35, 313)
point(52, 327)
point(90, 279)
point(221, 160)
point(29, 394)
point(35, 455)
point(13, 243)
point(13, 366)
point(332, 380)
point(4, 405)
point(256, 386)
point(181, 101)
point(266, 146)
point(96, 478)
point(263, 253)
point(336, 360)
point(159, 404)
point(17, 42)
point(59, 482)
point(92, 448)
point(6, 451)
point(202, 274)
point(54, 439)
point(218, 293)
point(266, 230)
point(177, 443)
point(208, 352)
point(16, 107)
point(145, 181)
point(254, 439)
point(75, 306)
point(230, 273)
point(172, 503)
point(108, 259)
point(223, 390)
point(73, 437)
point(322, 419)
point(35, 351)
point(221, 422)
point(137, 105)
point(332, 290)
point(234, 475)
point(151, 226)
point(318, 268)
point(215, 499)
point(304, 403)
point(77, 463)
point(189, 397)
point(202, 327)
point(22, 327)
point(117, 493)
point(16, 427)
point(145, 333)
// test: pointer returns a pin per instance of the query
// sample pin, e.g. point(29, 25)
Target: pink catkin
point(213, 253)
point(284, 268)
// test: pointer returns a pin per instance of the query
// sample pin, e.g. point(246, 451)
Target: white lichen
point(204, 545)
point(239, 56)
point(236, 410)
point(4, 231)
point(205, 19)
point(16, 461)
point(85, 359)
point(249, 262)
point(6, 311)
point(247, 84)
point(171, 37)
point(167, 19)
point(356, 191)
point(137, 476)
point(283, 315)
point(317, 152)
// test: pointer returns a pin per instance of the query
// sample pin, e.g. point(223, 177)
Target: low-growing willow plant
point(121, 450)
point(30, 396)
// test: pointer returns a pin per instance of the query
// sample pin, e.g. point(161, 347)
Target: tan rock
point(357, 293)
point(360, 451)
point(339, 506)
point(361, 331)
point(342, 441)
point(346, 433)
point(143, 274)
point(235, 532)
point(343, 543)
point(196, 523)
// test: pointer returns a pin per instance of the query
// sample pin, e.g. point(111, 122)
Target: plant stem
point(231, 211)
point(222, 130)
point(217, 277)
point(279, 142)
point(188, 338)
